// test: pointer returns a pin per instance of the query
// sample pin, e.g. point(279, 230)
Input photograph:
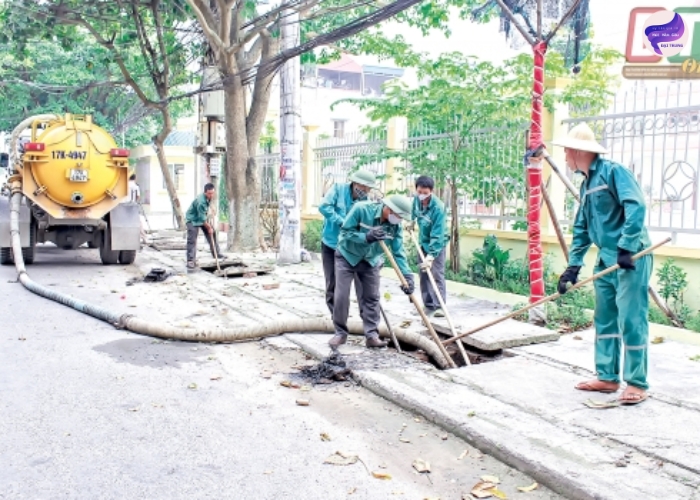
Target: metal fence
point(268, 174)
point(335, 158)
point(655, 132)
point(491, 179)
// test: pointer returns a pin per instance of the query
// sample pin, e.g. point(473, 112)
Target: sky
point(608, 17)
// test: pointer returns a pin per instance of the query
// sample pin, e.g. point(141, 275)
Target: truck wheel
point(127, 257)
point(29, 253)
point(107, 255)
point(6, 257)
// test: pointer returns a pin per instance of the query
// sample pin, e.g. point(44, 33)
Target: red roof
point(345, 63)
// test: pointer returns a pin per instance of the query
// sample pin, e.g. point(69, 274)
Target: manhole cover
point(235, 269)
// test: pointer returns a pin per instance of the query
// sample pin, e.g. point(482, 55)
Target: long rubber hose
point(136, 325)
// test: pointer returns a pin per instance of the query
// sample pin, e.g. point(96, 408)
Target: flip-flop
point(630, 402)
point(586, 386)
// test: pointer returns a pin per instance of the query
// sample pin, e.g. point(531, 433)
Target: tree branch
point(158, 17)
point(149, 54)
point(261, 95)
point(207, 22)
point(516, 23)
point(563, 20)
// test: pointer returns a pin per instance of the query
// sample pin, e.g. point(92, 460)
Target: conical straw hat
point(581, 138)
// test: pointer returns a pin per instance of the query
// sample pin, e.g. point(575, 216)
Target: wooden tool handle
point(556, 295)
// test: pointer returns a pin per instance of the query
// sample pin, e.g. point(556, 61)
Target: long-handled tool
point(143, 212)
point(426, 321)
point(391, 330)
point(462, 351)
point(556, 295)
point(212, 235)
point(572, 189)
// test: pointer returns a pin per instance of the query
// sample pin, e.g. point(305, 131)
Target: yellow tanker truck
point(74, 179)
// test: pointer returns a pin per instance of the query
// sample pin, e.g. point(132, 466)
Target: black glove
point(411, 286)
point(624, 259)
point(375, 234)
point(569, 276)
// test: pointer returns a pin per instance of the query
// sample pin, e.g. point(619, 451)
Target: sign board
point(215, 166)
point(663, 43)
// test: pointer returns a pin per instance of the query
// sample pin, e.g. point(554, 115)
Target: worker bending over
point(429, 212)
point(611, 216)
point(359, 254)
point(335, 206)
point(196, 218)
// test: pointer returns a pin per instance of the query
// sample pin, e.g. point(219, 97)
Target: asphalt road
point(91, 412)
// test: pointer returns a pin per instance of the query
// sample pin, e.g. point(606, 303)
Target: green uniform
point(353, 245)
point(611, 216)
point(197, 213)
point(433, 235)
point(433, 238)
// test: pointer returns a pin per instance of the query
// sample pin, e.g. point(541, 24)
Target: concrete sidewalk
point(521, 408)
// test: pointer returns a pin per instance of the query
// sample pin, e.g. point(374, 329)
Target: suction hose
point(136, 325)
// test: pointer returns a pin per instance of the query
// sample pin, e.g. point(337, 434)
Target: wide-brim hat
point(400, 205)
point(581, 138)
point(364, 177)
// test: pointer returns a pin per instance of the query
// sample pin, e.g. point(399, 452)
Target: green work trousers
point(621, 319)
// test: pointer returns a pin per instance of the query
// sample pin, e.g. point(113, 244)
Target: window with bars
point(339, 128)
point(177, 172)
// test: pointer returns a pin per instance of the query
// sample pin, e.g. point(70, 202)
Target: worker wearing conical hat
point(612, 216)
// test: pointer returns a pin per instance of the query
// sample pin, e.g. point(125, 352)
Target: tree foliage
point(467, 120)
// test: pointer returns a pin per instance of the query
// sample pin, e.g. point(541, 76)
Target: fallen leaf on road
point(405, 324)
point(341, 458)
point(471, 413)
point(498, 494)
point(305, 388)
point(351, 491)
point(22, 338)
point(295, 385)
point(267, 472)
point(444, 437)
point(464, 454)
point(325, 436)
point(578, 337)
point(286, 383)
point(216, 377)
point(381, 475)
point(156, 405)
point(302, 402)
point(658, 340)
point(133, 409)
point(421, 465)
point(481, 490)
point(211, 358)
point(271, 286)
point(602, 405)
point(490, 479)
point(192, 386)
point(404, 440)
point(387, 296)
point(527, 489)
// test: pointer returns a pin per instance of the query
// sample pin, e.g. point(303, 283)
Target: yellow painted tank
point(74, 169)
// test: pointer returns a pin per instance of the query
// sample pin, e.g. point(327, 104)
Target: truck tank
point(74, 179)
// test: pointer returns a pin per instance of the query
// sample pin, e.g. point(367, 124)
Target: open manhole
point(235, 269)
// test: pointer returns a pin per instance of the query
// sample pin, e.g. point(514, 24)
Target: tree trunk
point(158, 142)
point(454, 228)
point(242, 182)
point(534, 178)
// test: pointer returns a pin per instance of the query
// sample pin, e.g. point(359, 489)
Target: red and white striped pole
point(534, 177)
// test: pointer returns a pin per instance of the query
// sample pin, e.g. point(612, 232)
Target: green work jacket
point(611, 214)
point(352, 243)
point(433, 235)
point(334, 207)
point(197, 213)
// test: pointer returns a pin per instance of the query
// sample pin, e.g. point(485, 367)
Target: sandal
point(591, 387)
point(636, 398)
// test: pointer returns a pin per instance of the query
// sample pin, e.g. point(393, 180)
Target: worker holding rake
point(360, 255)
point(429, 213)
point(611, 216)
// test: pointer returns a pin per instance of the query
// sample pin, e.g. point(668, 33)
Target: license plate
point(77, 175)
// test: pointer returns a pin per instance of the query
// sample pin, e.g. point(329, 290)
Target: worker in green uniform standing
point(196, 219)
point(334, 207)
point(612, 216)
point(429, 212)
point(359, 254)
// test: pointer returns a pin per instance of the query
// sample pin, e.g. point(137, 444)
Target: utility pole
point(211, 143)
point(290, 144)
